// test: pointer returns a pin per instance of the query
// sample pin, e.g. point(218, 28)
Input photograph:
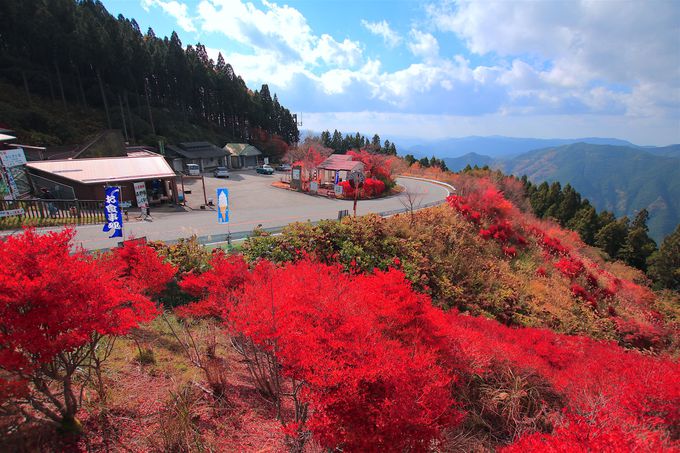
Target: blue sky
point(445, 68)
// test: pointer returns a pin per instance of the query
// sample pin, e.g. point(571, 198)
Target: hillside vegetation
point(105, 71)
point(468, 327)
point(622, 180)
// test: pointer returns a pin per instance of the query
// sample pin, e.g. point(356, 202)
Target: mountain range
point(613, 174)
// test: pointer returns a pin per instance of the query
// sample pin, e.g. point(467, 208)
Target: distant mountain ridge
point(498, 146)
point(621, 179)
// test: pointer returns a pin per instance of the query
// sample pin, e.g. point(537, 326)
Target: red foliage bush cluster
point(599, 380)
point(600, 291)
point(378, 366)
point(371, 188)
point(488, 207)
point(56, 306)
point(361, 344)
point(378, 166)
point(569, 267)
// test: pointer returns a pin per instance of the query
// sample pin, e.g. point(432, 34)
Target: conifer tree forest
point(79, 55)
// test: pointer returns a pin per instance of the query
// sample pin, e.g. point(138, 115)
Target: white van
point(193, 170)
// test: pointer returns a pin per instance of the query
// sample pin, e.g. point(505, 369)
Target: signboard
point(140, 193)
point(13, 157)
point(222, 205)
point(12, 184)
point(314, 187)
point(114, 218)
point(296, 178)
point(11, 212)
point(338, 190)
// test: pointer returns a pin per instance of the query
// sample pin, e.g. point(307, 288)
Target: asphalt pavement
point(253, 201)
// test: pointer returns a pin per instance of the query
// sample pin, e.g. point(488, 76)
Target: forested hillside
point(63, 61)
point(620, 179)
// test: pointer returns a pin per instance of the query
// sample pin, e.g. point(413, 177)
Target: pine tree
point(612, 237)
point(585, 222)
point(638, 245)
point(664, 264)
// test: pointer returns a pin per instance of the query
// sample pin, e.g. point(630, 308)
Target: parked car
point(193, 170)
point(265, 170)
point(283, 167)
point(221, 172)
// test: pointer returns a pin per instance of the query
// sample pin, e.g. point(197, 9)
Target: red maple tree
point(56, 307)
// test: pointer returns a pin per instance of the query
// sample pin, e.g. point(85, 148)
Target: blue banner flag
point(112, 214)
point(222, 205)
point(337, 177)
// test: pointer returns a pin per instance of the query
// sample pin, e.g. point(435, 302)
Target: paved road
point(253, 201)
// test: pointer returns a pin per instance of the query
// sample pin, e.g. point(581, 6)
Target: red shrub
point(580, 434)
point(56, 306)
point(360, 345)
point(373, 187)
point(569, 267)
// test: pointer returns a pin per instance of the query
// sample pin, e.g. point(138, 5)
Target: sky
point(447, 68)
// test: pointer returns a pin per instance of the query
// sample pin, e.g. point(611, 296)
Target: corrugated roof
point(340, 162)
point(197, 150)
point(242, 149)
point(139, 167)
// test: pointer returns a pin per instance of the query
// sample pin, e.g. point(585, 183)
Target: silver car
point(221, 172)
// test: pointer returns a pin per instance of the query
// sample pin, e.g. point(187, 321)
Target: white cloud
point(382, 29)
point(176, 9)
point(279, 29)
point(646, 131)
point(423, 45)
point(568, 48)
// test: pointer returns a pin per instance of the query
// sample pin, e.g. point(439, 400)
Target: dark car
point(265, 170)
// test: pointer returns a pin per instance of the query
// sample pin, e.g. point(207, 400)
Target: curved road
point(253, 201)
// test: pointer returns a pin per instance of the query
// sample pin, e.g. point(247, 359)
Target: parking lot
point(253, 201)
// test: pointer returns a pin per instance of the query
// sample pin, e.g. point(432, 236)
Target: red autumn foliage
point(578, 291)
point(55, 306)
point(377, 361)
point(580, 434)
point(140, 269)
point(569, 267)
point(373, 187)
point(489, 205)
point(377, 166)
point(361, 344)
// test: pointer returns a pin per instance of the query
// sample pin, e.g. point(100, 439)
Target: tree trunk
point(148, 106)
point(129, 114)
point(61, 87)
point(106, 103)
point(49, 81)
point(122, 118)
point(28, 93)
point(80, 87)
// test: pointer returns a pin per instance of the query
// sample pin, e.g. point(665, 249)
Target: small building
point(87, 179)
point(340, 163)
point(242, 155)
point(204, 154)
